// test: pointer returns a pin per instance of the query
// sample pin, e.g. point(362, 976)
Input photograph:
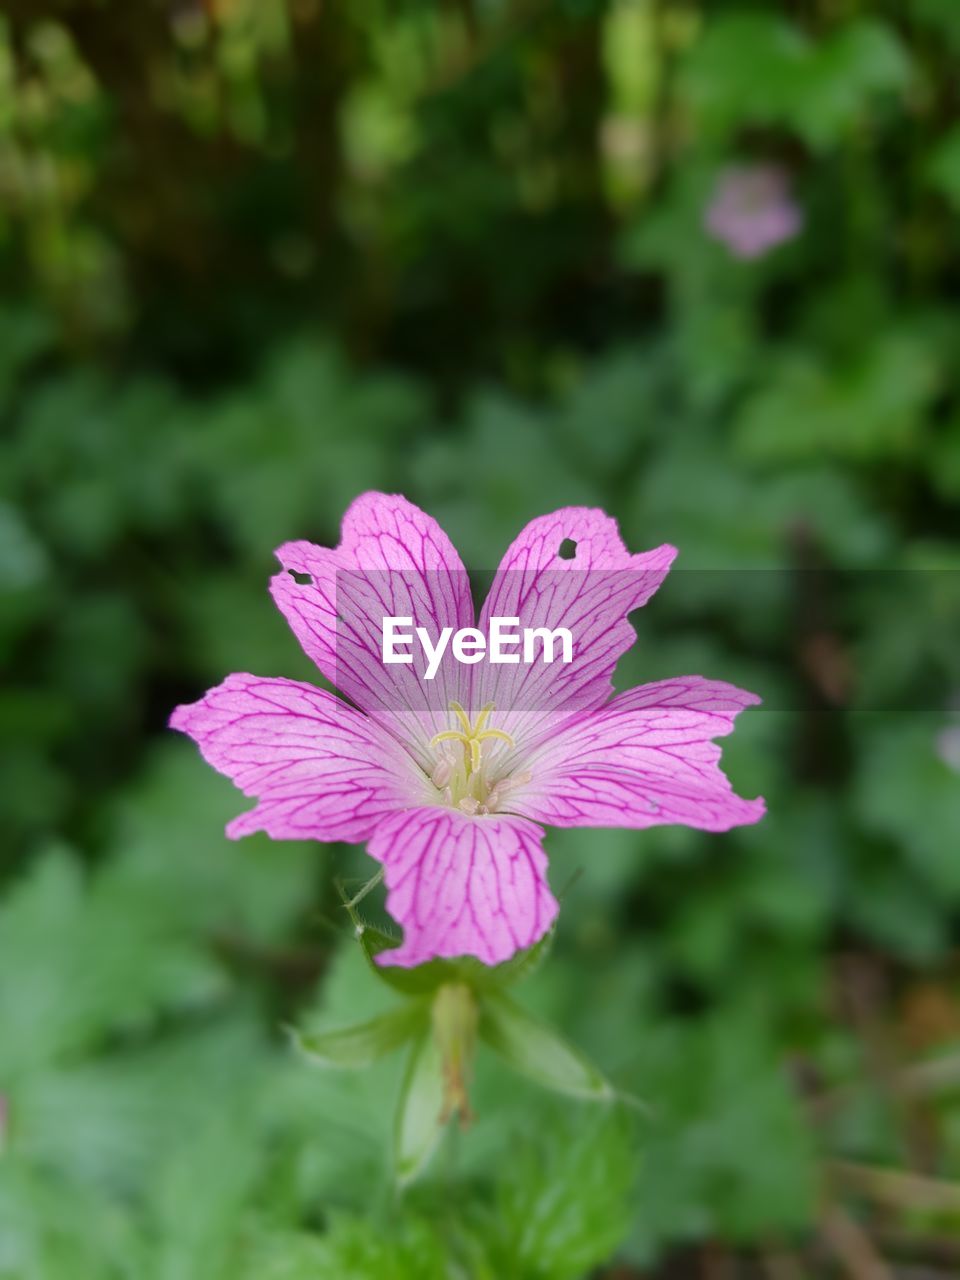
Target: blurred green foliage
point(260, 255)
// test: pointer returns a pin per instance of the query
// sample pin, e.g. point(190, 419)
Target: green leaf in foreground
point(364, 1043)
point(563, 1204)
point(537, 1051)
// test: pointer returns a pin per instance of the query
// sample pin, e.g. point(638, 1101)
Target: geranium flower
point(450, 781)
point(752, 211)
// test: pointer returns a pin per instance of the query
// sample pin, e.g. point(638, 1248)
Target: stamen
point(518, 780)
point(442, 773)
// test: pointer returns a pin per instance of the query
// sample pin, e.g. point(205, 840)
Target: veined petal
point(645, 759)
point(393, 561)
point(463, 886)
point(320, 769)
point(590, 594)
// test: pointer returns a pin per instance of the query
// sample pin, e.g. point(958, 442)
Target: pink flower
point(948, 747)
point(449, 780)
point(752, 211)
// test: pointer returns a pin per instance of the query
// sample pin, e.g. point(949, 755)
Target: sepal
point(427, 978)
point(363, 1044)
point(535, 1050)
point(418, 1124)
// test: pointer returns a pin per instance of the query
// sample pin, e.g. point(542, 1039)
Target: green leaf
point(350, 1249)
point(873, 406)
point(905, 790)
point(418, 1126)
point(746, 67)
point(99, 958)
point(731, 1153)
point(564, 1204)
point(537, 1051)
point(25, 333)
point(863, 60)
point(758, 69)
point(364, 1043)
point(943, 15)
point(943, 166)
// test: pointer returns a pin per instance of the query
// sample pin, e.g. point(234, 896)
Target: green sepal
point(521, 964)
point(360, 1045)
point(418, 1125)
point(535, 1050)
point(426, 978)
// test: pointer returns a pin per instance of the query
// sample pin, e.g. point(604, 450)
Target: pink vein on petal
point(463, 886)
point(320, 769)
point(645, 759)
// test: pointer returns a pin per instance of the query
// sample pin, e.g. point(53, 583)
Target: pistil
point(464, 785)
point(471, 735)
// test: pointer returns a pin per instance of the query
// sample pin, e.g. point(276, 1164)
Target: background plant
point(260, 256)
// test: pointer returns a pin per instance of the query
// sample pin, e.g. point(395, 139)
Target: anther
point(442, 773)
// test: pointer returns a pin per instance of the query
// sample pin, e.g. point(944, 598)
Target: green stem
point(350, 903)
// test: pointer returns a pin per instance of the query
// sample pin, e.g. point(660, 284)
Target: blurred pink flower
point(449, 780)
point(752, 210)
point(948, 747)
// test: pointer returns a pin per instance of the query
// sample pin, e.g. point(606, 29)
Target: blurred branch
point(717, 1263)
point(780, 1265)
point(468, 14)
point(851, 1246)
point(918, 1081)
point(898, 1188)
point(480, 50)
point(929, 1077)
point(863, 988)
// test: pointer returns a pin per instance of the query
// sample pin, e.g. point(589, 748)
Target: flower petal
point(321, 770)
point(589, 593)
point(645, 759)
point(463, 886)
point(393, 560)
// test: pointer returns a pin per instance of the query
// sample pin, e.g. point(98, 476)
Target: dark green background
point(260, 255)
